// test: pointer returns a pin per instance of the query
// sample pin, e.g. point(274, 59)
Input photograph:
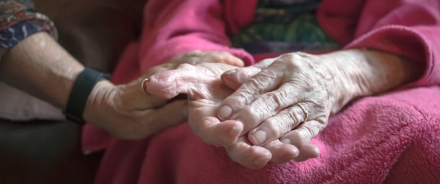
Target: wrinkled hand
point(266, 99)
point(288, 98)
point(129, 113)
point(207, 91)
point(291, 97)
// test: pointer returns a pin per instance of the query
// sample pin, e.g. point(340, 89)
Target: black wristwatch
point(81, 90)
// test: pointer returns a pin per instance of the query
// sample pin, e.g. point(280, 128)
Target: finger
point(170, 83)
point(209, 128)
point(304, 133)
point(253, 157)
point(263, 64)
point(260, 83)
point(229, 59)
point(276, 126)
point(235, 78)
point(281, 153)
point(132, 95)
point(152, 121)
point(197, 57)
point(212, 131)
point(159, 68)
point(268, 105)
point(306, 152)
point(160, 118)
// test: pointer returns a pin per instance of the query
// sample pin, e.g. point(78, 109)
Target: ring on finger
point(143, 85)
point(306, 113)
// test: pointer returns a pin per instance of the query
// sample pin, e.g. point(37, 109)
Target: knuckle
point(255, 84)
point(322, 121)
point(311, 132)
point(269, 74)
point(193, 53)
point(251, 116)
point(303, 55)
point(297, 139)
point(241, 99)
point(275, 100)
point(288, 56)
point(274, 127)
point(301, 142)
point(185, 66)
point(294, 116)
point(293, 60)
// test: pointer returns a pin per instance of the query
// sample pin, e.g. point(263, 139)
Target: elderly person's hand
point(206, 91)
point(268, 100)
point(40, 67)
point(129, 113)
point(291, 97)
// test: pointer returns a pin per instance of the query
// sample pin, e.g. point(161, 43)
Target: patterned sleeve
point(18, 20)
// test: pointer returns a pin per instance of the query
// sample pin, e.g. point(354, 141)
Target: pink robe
point(391, 138)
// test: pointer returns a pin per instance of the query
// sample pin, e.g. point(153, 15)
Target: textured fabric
point(18, 20)
point(17, 32)
point(284, 26)
point(392, 138)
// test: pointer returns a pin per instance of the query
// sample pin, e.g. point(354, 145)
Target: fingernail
point(236, 130)
point(224, 112)
point(261, 161)
point(259, 137)
point(286, 141)
point(229, 72)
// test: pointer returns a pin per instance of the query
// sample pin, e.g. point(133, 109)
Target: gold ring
point(142, 85)
point(304, 110)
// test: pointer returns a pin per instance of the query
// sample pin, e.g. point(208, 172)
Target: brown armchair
point(95, 32)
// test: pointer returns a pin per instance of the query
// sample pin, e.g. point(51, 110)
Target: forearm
point(40, 67)
point(366, 72)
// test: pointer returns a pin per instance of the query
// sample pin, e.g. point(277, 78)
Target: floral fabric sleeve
point(18, 20)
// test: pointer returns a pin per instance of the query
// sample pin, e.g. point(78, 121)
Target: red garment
point(393, 138)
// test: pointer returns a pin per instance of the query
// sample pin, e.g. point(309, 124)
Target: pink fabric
point(392, 138)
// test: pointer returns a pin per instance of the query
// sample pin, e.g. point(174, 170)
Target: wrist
point(39, 66)
point(363, 72)
point(374, 72)
point(98, 102)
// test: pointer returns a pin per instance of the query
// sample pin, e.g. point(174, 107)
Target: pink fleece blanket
point(392, 138)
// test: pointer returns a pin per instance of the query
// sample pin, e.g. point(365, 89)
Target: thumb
point(232, 60)
point(171, 114)
point(235, 78)
point(168, 84)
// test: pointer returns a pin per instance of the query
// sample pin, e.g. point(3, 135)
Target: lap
point(363, 143)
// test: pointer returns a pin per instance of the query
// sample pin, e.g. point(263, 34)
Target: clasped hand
point(129, 113)
point(266, 112)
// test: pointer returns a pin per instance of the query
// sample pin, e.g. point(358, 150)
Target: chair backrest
point(95, 31)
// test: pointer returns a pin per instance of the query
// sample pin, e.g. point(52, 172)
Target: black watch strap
point(81, 90)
